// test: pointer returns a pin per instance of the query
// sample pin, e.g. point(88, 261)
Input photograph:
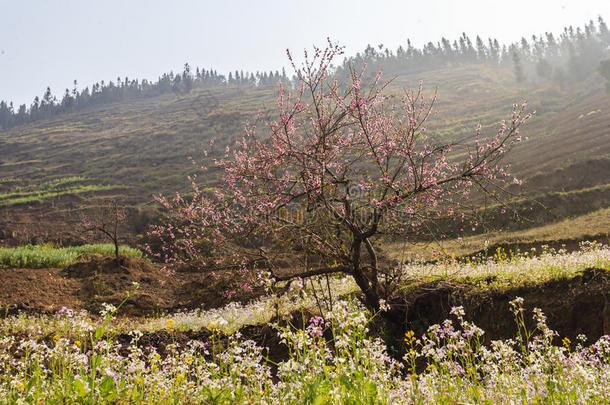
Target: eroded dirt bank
point(578, 305)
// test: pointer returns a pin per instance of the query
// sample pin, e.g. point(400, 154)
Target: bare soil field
point(96, 279)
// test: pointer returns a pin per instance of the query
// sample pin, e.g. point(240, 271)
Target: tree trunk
point(116, 249)
point(371, 293)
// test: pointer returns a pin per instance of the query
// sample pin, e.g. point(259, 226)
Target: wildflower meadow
point(337, 356)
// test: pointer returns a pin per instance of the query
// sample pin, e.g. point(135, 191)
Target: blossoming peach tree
point(343, 166)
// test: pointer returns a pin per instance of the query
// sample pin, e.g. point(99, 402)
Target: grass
point(37, 197)
point(141, 143)
point(33, 194)
point(594, 223)
point(56, 184)
point(509, 269)
point(43, 256)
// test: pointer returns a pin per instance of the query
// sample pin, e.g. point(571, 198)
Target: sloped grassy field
point(135, 149)
point(145, 143)
point(334, 356)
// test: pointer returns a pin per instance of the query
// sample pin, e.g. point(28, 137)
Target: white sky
point(52, 42)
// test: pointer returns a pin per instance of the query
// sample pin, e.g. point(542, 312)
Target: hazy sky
point(52, 42)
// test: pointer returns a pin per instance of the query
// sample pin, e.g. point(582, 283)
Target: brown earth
point(96, 279)
point(573, 306)
point(264, 336)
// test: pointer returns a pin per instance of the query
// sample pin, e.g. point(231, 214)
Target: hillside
point(51, 170)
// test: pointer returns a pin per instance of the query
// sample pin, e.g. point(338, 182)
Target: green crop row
point(42, 256)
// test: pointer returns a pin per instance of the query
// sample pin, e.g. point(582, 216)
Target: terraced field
point(133, 150)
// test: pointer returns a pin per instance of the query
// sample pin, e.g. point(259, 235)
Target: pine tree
point(187, 78)
point(447, 51)
point(494, 51)
point(22, 114)
point(544, 69)
point(551, 45)
point(67, 101)
point(47, 99)
point(5, 115)
point(517, 66)
point(525, 49)
point(604, 33)
point(482, 52)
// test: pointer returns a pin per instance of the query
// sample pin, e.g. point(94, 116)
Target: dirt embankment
point(96, 279)
point(578, 305)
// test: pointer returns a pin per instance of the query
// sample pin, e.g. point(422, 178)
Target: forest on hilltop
point(571, 56)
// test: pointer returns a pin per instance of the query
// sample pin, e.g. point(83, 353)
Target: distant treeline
point(126, 89)
point(571, 56)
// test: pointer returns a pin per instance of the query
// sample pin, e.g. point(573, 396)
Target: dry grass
point(594, 223)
